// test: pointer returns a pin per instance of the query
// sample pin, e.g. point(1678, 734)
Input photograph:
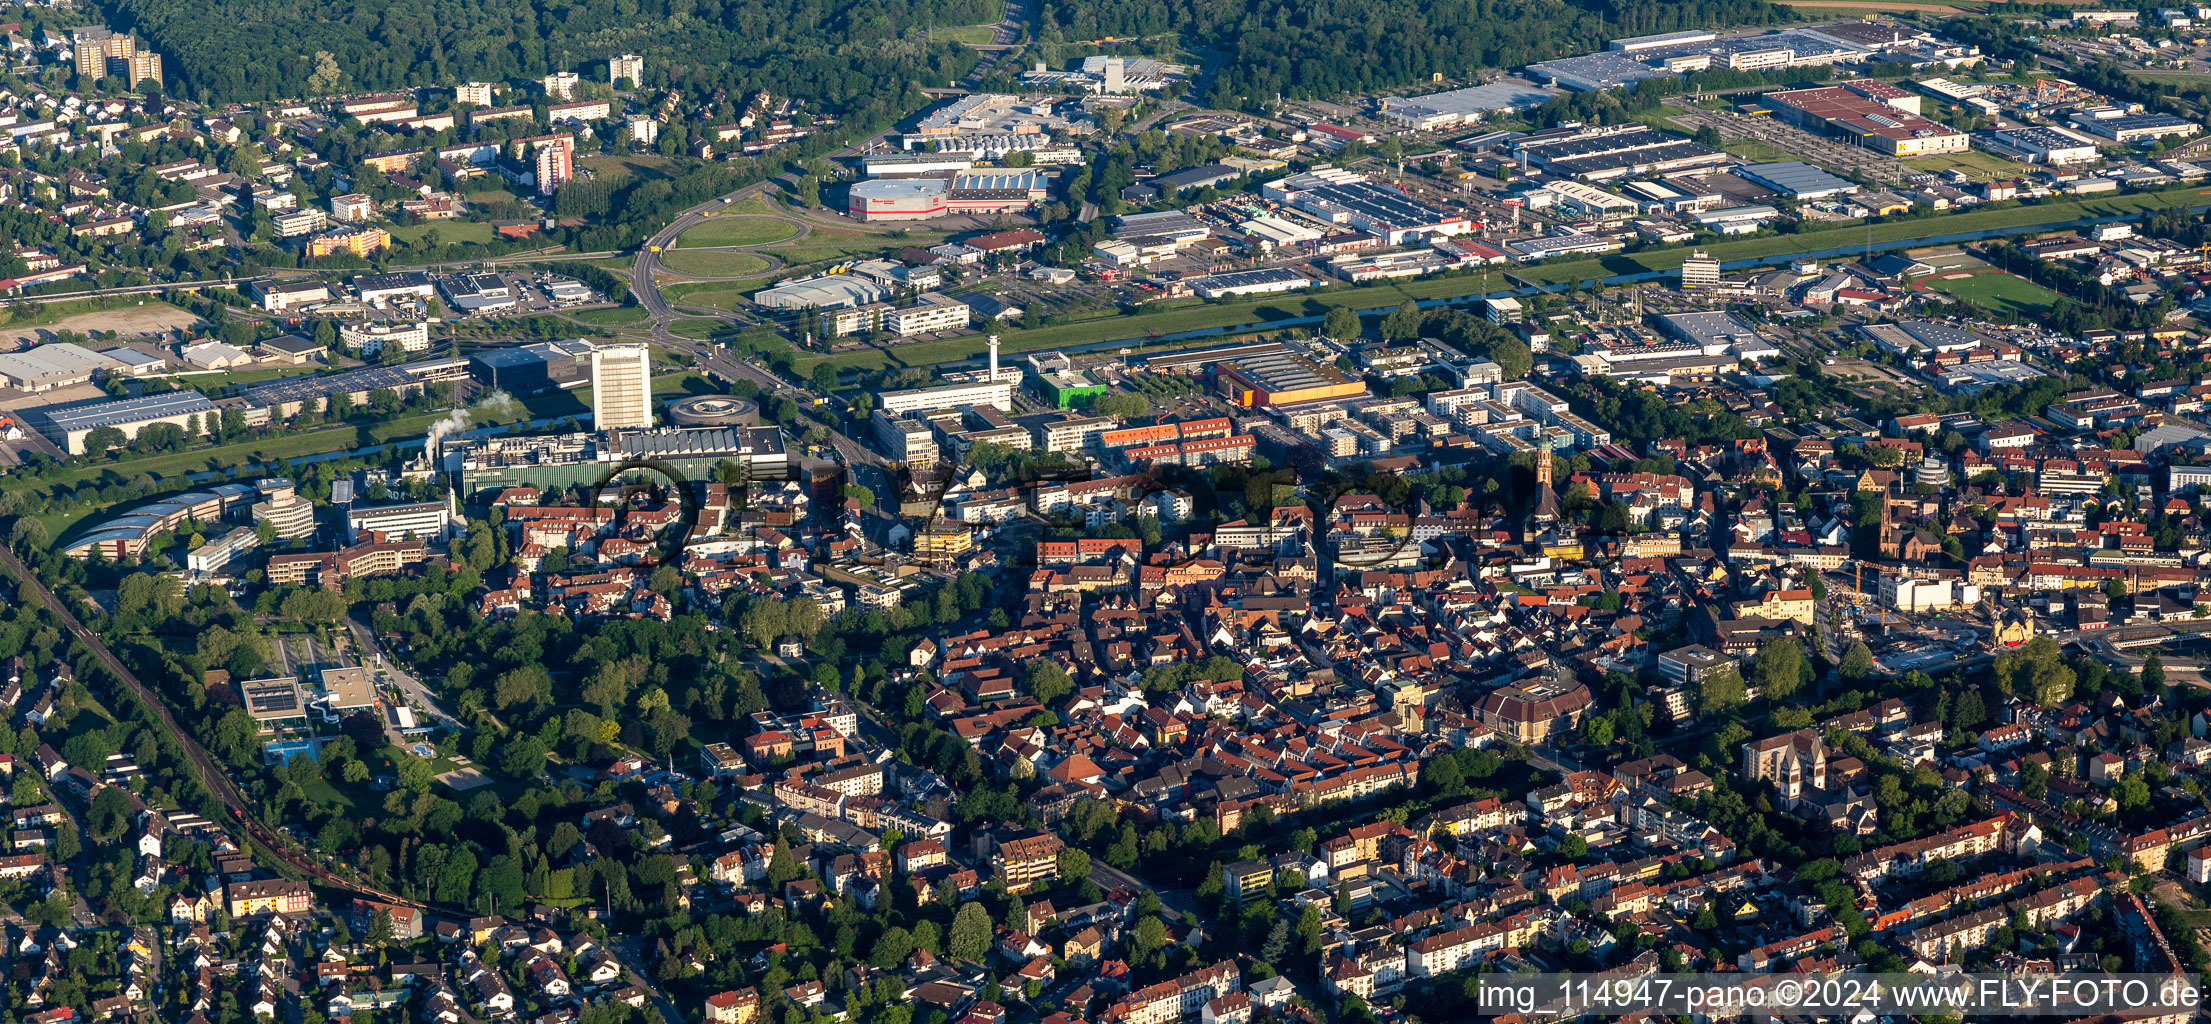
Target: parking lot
point(513, 293)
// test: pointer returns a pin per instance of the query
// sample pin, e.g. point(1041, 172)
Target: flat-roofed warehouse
point(2133, 128)
point(1604, 154)
point(1878, 115)
point(549, 461)
point(286, 397)
point(1258, 380)
point(2033, 144)
point(1468, 105)
point(52, 366)
point(1265, 281)
point(1796, 179)
point(68, 427)
point(835, 291)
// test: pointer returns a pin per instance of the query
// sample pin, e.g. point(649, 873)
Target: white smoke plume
point(495, 402)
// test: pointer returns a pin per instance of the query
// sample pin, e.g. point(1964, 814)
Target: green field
point(736, 231)
point(976, 35)
point(729, 295)
point(449, 231)
point(2000, 293)
point(612, 316)
point(714, 264)
point(2184, 79)
point(752, 205)
point(628, 165)
point(1256, 313)
point(1974, 162)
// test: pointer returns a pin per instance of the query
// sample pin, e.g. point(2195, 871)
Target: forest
point(841, 54)
point(1325, 48)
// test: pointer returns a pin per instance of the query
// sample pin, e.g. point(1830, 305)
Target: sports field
point(1999, 293)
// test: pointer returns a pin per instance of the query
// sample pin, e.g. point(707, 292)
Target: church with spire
point(1546, 512)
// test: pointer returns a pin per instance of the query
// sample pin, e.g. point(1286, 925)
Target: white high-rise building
point(622, 388)
point(628, 65)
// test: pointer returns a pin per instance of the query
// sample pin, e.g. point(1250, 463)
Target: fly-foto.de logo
point(656, 510)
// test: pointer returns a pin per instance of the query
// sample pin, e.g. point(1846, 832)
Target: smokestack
point(994, 359)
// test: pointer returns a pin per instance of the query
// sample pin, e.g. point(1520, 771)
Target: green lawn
point(973, 34)
point(742, 230)
point(611, 316)
point(713, 263)
point(628, 165)
point(449, 231)
point(2196, 79)
point(1972, 161)
point(2000, 293)
point(752, 205)
point(699, 330)
point(728, 295)
point(1256, 313)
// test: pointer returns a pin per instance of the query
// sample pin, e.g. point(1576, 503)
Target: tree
point(1970, 711)
point(1074, 865)
point(1857, 662)
point(1719, 691)
point(110, 813)
point(1781, 669)
point(1341, 323)
point(1402, 323)
point(971, 931)
point(1046, 681)
point(1443, 775)
point(1573, 847)
point(380, 929)
point(2153, 671)
point(99, 440)
point(891, 948)
point(1512, 357)
point(861, 494)
point(2035, 671)
point(328, 76)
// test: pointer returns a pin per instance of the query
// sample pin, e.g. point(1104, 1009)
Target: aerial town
point(1049, 516)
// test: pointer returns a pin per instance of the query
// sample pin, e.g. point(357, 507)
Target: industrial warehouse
point(1602, 154)
point(1876, 114)
point(558, 461)
point(1281, 378)
point(1345, 197)
point(927, 198)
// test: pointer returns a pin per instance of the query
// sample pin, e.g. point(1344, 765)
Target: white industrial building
point(425, 520)
point(47, 367)
point(2054, 146)
point(1915, 595)
point(186, 409)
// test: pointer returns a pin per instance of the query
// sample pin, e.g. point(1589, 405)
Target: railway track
point(210, 774)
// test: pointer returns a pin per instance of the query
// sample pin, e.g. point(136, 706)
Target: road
point(412, 688)
point(1174, 904)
